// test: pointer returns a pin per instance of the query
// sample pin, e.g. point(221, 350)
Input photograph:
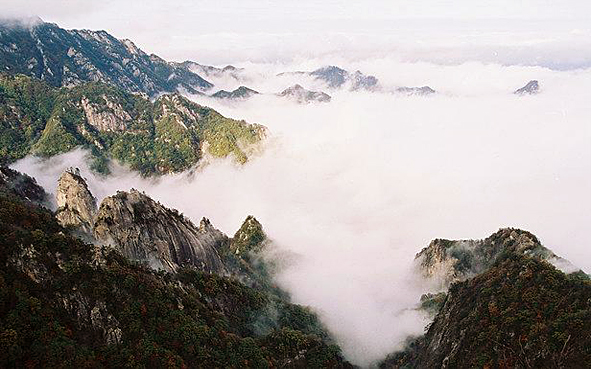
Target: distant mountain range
point(70, 57)
point(336, 77)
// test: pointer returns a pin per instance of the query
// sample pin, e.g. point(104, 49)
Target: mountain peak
point(531, 88)
point(448, 261)
point(76, 205)
point(249, 238)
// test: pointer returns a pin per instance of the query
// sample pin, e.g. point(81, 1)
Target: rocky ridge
point(418, 91)
point(449, 261)
point(144, 230)
point(505, 305)
point(336, 77)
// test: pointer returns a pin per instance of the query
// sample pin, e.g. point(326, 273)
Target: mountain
point(449, 261)
point(147, 232)
point(67, 303)
point(531, 88)
point(303, 96)
point(420, 91)
point(336, 77)
point(71, 57)
point(506, 306)
point(170, 134)
point(241, 92)
point(213, 72)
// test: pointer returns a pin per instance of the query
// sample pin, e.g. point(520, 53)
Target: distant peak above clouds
point(336, 77)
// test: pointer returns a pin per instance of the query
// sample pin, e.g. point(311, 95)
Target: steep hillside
point(71, 57)
point(506, 307)
point(168, 135)
point(521, 313)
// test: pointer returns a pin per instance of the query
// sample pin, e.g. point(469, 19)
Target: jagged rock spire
point(76, 205)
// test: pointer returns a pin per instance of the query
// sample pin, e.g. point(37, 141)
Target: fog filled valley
point(351, 190)
point(351, 171)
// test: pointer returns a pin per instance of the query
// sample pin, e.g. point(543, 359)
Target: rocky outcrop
point(360, 81)
point(146, 231)
point(241, 92)
point(110, 118)
point(76, 205)
point(447, 261)
point(531, 88)
point(520, 313)
point(303, 96)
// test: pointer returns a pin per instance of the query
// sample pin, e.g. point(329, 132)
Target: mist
point(354, 188)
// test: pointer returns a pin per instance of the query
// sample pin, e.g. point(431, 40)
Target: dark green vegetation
point(167, 135)
point(64, 303)
point(522, 312)
point(71, 57)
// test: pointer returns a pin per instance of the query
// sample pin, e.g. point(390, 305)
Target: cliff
point(144, 230)
point(76, 205)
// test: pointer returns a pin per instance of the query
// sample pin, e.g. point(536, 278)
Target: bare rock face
point(447, 261)
point(112, 117)
point(146, 231)
point(76, 205)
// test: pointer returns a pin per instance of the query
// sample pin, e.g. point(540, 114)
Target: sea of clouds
point(354, 188)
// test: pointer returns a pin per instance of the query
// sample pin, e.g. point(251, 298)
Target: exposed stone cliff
point(144, 230)
point(76, 205)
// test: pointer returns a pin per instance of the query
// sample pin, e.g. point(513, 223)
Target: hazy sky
point(543, 32)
